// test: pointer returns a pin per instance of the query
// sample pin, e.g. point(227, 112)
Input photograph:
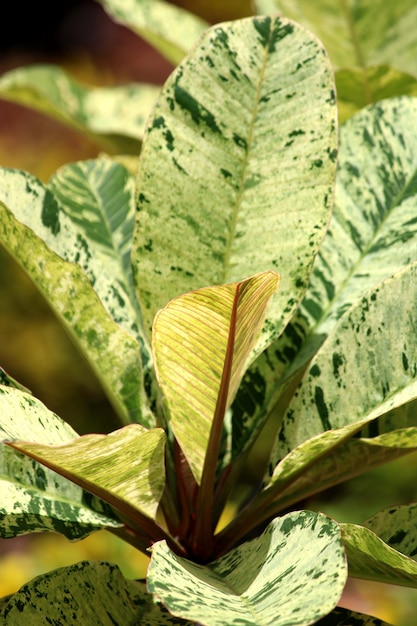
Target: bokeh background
point(79, 36)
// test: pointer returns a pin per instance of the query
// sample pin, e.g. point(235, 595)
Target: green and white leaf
point(125, 468)
point(366, 368)
point(33, 498)
point(382, 81)
point(91, 593)
point(191, 339)
point(372, 559)
point(234, 178)
point(345, 617)
point(372, 235)
point(89, 227)
point(296, 576)
point(114, 117)
point(317, 464)
point(169, 29)
point(359, 33)
point(397, 527)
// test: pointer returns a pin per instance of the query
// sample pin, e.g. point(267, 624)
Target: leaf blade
point(227, 590)
point(190, 341)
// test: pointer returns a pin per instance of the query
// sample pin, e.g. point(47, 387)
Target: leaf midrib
point(241, 187)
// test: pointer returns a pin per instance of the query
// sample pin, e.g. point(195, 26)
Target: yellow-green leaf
point(191, 336)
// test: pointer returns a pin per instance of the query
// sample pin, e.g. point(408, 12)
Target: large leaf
point(87, 593)
point(124, 468)
point(297, 573)
point(371, 558)
point(90, 227)
point(397, 527)
point(359, 33)
point(370, 44)
point(169, 29)
point(201, 343)
point(366, 367)
point(33, 498)
point(373, 234)
point(237, 169)
point(113, 116)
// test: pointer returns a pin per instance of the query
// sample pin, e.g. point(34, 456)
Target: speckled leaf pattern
point(345, 617)
point(113, 116)
point(359, 33)
point(318, 464)
point(371, 558)
point(397, 527)
point(91, 593)
point(373, 234)
point(296, 575)
point(366, 368)
point(168, 28)
point(124, 468)
point(191, 336)
point(33, 498)
point(92, 234)
point(234, 179)
point(331, 458)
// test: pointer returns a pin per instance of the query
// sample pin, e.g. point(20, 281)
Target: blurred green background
point(78, 35)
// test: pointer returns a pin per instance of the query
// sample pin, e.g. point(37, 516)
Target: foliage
point(167, 283)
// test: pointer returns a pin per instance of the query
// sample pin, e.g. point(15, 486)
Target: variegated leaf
point(88, 593)
point(296, 575)
point(315, 465)
point(371, 558)
point(397, 527)
point(113, 116)
point(201, 343)
point(235, 177)
point(125, 468)
point(168, 28)
point(89, 227)
point(33, 498)
point(345, 617)
point(360, 33)
point(372, 235)
point(366, 368)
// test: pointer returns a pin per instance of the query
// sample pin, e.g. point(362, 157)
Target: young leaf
point(32, 498)
point(168, 28)
point(91, 593)
point(372, 235)
point(33, 225)
point(113, 116)
point(201, 343)
point(224, 131)
point(124, 468)
point(370, 558)
point(297, 573)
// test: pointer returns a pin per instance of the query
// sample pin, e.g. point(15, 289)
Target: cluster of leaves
point(238, 177)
